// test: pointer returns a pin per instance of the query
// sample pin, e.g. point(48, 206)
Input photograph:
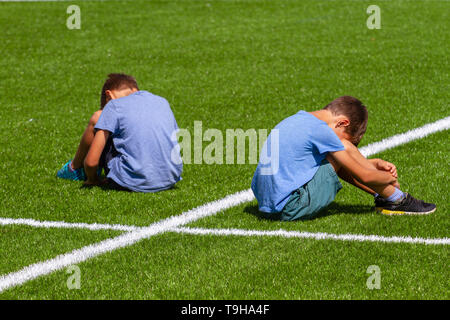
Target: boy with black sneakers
point(131, 138)
point(314, 149)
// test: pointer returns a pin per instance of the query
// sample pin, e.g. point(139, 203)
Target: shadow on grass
point(104, 187)
point(332, 209)
point(116, 187)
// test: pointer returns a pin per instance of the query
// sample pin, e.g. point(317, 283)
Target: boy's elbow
point(94, 119)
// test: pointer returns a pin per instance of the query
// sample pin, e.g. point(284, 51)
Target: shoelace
point(417, 202)
point(407, 200)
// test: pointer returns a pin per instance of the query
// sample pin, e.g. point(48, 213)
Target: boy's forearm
point(378, 178)
point(373, 162)
point(375, 177)
point(91, 173)
point(93, 157)
point(366, 163)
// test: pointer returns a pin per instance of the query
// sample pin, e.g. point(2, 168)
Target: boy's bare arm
point(93, 157)
point(362, 171)
point(377, 164)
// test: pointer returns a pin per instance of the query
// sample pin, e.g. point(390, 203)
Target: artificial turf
point(229, 64)
point(174, 266)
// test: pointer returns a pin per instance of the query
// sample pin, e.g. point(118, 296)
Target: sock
point(70, 167)
point(397, 195)
point(375, 195)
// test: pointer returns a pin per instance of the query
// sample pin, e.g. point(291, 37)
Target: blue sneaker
point(66, 172)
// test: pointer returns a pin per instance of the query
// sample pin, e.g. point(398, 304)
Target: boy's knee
point(94, 119)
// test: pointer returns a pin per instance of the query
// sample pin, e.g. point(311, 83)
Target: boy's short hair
point(116, 81)
point(356, 113)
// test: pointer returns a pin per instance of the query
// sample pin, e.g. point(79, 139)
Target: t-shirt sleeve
point(109, 119)
point(325, 140)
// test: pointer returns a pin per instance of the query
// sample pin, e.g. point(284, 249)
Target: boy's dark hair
point(116, 81)
point(356, 113)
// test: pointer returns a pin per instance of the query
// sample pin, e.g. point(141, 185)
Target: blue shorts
point(308, 200)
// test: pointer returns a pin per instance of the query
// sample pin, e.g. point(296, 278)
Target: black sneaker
point(380, 202)
point(408, 205)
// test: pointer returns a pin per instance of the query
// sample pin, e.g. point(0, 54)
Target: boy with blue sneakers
point(314, 149)
point(131, 137)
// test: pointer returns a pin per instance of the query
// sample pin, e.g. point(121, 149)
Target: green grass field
point(230, 64)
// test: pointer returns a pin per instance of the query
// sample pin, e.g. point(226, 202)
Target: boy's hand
point(387, 166)
point(98, 182)
point(91, 182)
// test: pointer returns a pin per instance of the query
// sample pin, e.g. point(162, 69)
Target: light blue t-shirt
point(303, 143)
point(143, 128)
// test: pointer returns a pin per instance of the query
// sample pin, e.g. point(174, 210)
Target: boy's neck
point(323, 115)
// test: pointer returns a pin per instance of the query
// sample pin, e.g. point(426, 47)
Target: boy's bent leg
point(392, 200)
point(385, 190)
point(307, 201)
point(73, 169)
point(346, 176)
point(86, 141)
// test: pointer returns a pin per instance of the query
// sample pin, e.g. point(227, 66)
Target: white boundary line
point(62, 224)
point(399, 139)
point(228, 232)
point(311, 235)
point(79, 255)
point(52, 0)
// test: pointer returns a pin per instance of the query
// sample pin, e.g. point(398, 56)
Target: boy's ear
point(109, 95)
point(344, 122)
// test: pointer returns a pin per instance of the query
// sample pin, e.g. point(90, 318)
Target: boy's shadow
point(104, 187)
point(108, 187)
point(332, 209)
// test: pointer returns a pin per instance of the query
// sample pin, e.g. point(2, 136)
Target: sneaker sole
point(399, 213)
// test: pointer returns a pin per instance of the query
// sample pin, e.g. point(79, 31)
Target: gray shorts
point(308, 200)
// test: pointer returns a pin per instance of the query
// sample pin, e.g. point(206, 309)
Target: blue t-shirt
point(295, 147)
point(143, 130)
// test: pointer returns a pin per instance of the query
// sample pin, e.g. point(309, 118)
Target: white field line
point(51, 0)
point(311, 235)
point(33, 0)
point(76, 1)
point(79, 255)
point(227, 232)
point(399, 139)
point(68, 225)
